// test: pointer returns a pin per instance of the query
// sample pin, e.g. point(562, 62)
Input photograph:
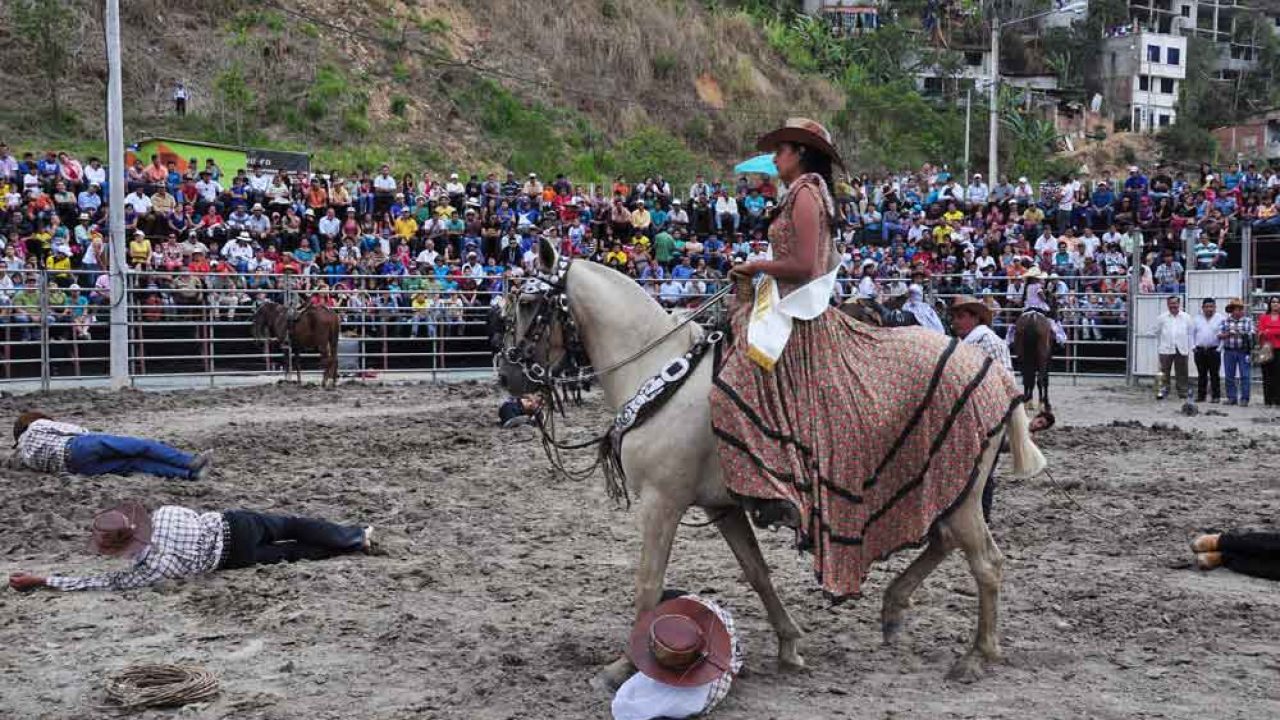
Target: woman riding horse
point(808, 403)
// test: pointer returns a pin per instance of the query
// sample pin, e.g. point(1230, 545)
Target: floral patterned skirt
point(872, 433)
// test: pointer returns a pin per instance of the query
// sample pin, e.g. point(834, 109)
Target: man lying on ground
point(515, 412)
point(175, 542)
point(1250, 553)
point(48, 446)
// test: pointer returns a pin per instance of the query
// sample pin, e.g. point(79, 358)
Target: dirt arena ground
point(511, 587)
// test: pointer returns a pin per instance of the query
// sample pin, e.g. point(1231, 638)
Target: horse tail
point(1028, 461)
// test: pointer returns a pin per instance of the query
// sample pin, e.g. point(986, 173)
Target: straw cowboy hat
point(801, 131)
point(1234, 303)
point(973, 305)
point(122, 530)
point(1033, 273)
point(681, 642)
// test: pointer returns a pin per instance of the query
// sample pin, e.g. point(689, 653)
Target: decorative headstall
point(552, 312)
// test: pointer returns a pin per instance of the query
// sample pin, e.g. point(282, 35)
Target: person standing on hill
point(180, 99)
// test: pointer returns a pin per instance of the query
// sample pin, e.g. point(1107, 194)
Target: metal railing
point(199, 324)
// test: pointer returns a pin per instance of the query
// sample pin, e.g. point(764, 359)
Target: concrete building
point(1219, 21)
point(847, 17)
point(1142, 73)
point(1257, 139)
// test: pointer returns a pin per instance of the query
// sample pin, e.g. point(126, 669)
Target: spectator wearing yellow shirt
point(406, 226)
point(139, 250)
point(641, 221)
point(60, 266)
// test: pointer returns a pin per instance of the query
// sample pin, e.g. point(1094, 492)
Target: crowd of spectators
point(378, 244)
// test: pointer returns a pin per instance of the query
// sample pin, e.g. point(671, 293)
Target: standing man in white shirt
point(1174, 331)
point(1208, 324)
point(977, 192)
point(180, 99)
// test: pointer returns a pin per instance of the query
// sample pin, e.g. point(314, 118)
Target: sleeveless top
point(782, 233)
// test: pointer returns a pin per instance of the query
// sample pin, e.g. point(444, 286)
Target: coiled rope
point(143, 686)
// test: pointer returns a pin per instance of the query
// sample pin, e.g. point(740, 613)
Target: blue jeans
point(1236, 363)
point(96, 454)
point(262, 539)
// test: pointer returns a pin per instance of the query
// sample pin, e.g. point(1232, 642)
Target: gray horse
point(672, 463)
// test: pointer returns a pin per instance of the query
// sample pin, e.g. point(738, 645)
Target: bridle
point(553, 312)
point(551, 316)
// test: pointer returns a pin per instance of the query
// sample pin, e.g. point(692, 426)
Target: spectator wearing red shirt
point(1269, 333)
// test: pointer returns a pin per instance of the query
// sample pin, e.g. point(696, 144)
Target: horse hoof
point(967, 669)
point(892, 631)
point(792, 662)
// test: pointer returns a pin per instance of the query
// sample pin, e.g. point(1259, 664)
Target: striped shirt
point(43, 446)
point(1239, 334)
point(183, 543)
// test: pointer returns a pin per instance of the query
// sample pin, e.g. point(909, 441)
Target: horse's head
point(269, 322)
point(539, 339)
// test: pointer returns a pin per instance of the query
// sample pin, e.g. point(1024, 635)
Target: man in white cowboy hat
point(687, 652)
point(923, 311)
point(867, 287)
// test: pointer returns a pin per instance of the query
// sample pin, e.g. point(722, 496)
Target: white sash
point(771, 318)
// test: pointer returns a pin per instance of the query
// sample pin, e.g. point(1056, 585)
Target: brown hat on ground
point(24, 421)
point(973, 305)
point(122, 530)
point(682, 643)
point(801, 131)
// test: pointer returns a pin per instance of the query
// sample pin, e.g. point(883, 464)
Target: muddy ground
point(511, 587)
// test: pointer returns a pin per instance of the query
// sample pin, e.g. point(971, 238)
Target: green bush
point(1185, 143)
point(399, 104)
point(664, 65)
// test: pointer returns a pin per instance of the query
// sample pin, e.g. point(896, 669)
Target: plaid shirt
point(183, 544)
point(986, 340)
point(1239, 333)
point(720, 686)
point(43, 446)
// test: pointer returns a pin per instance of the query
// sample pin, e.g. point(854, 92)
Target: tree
point(40, 26)
point(234, 96)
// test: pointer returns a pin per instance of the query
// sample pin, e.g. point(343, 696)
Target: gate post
point(43, 283)
point(1246, 263)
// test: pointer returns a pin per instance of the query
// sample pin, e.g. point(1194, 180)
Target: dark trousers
point(1208, 363)
point(1256, 553)
point(1271, 382)
point(262, 539)
point(1174, 365)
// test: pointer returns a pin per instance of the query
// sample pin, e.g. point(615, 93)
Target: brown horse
point(1034, 347)
point(315, 328)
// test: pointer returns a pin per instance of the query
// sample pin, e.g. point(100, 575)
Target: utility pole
point(968, 115)
point(115, 182)
point(993, 147)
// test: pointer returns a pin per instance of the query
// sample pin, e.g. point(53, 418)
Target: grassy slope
point(593, 87)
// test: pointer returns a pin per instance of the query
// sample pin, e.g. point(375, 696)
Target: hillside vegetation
point(591, 87)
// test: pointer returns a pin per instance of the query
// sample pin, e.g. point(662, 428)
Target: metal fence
point(55, 325)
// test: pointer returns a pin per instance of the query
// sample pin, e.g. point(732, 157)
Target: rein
point(553, 306)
